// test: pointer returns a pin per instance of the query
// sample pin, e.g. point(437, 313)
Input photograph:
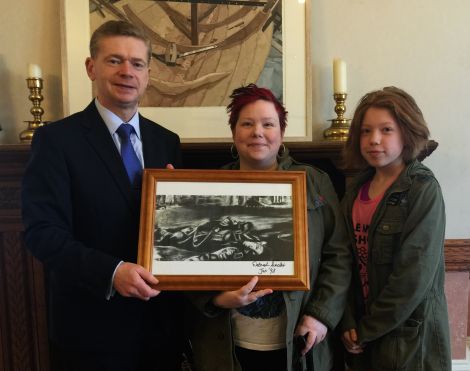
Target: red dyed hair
point(250, 94)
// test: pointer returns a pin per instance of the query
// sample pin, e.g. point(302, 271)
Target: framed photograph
point(215, 229)
point(197, 64)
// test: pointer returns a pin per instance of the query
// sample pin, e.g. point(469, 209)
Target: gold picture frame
point(215, 229)
point(200, 124)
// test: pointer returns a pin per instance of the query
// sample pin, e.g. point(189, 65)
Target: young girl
point(397, 315)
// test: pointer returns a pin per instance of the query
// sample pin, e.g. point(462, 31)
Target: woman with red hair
point(275, 330)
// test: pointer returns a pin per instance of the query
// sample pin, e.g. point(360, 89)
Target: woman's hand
point(312, 330)
point(241, 297)
point(349, 339)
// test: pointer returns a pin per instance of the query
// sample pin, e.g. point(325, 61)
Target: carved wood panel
point(22, 307)
point(23, 332)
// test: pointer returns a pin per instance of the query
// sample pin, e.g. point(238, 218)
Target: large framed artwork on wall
point(202, 50)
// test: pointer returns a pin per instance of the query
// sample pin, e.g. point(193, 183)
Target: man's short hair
point(118, 28)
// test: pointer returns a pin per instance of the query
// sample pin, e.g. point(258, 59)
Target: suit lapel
point(153, 146)
point(102, 142)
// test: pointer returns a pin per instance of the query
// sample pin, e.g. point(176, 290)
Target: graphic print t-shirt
point(362, 213)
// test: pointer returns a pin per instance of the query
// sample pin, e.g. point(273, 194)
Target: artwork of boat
point(202, 50)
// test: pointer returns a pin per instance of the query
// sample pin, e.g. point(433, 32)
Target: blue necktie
point(129, 157)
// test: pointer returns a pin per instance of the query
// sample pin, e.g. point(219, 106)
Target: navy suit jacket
point(81, 218)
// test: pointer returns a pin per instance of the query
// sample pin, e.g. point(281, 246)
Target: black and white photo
point(207, 224)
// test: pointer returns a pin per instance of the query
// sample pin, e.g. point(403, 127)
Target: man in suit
point(81, 200)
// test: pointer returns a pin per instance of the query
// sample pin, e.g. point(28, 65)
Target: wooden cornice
point(457, 255)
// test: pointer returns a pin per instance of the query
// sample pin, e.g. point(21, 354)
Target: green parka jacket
point(406, 325)
point(330, 261)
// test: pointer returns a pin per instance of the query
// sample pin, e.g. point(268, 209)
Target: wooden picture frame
point(215, 229)
point(205, 123)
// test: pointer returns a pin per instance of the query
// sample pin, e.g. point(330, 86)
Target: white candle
point(34, 71)
point(339, 76)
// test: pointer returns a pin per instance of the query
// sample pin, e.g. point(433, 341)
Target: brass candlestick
point(339, 128)
point(35, 96)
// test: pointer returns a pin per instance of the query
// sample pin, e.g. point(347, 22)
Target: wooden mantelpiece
point(322, 154)
point(457, 254)
point(23, 331)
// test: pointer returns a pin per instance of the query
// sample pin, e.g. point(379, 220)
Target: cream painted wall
point(29, 33)
point(420, 45)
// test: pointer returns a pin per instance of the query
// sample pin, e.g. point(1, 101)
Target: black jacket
point(81, 218)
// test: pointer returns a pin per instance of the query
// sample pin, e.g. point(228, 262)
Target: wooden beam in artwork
point(218, 2)
point(194, 25)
